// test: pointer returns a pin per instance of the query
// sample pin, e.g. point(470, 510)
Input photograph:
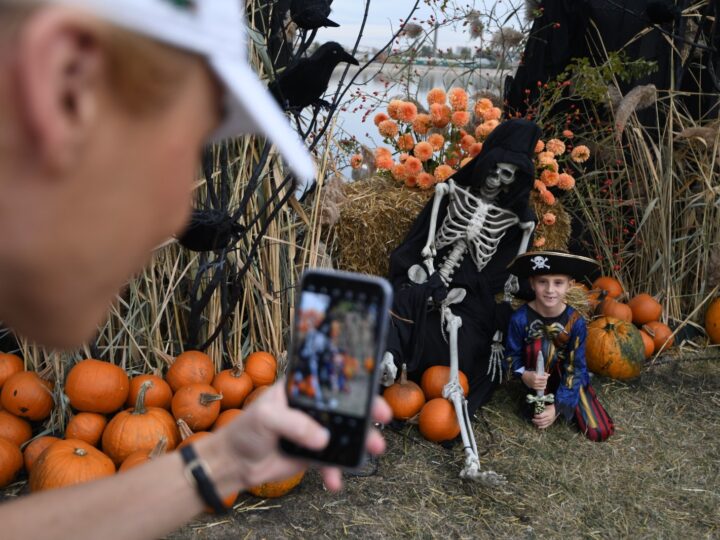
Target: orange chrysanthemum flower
point(423, 151)
point(388, 128)
point(380, 117)
point(355, 161)
point(539, 186)
point(547, 197)
point(482, 106)
point(484, 129)
point(399, 172)
point(539, 146)
point(413, 166)
point(568, 134)
point(492, 114)
point(549, 177)
point(406, 142)
point(458, 99)
point(425, 180)
point(549, 218)
point(440, 115)
point(436, 95)
point(421, 124)
point(460, 118)
point(475, 149)
point(436, 141)
point(580, 154)
point(394, 108)
point(566, 181)
point(466, 142)
point(384, 161)
point(382, 151)
point(443, 172)
point(539, 242)
point(411, 181)
point(403, 157)
point(547, 161)
point(408, 111)
point(556, 146)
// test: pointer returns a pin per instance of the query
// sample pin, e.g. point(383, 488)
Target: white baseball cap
point(216, 30)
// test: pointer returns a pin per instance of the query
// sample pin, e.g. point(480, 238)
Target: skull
point(500, 178)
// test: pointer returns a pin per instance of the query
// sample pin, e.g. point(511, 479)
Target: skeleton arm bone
point(527, 228)
point(429, 251)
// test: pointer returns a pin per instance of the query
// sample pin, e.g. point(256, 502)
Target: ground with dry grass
point(658, 477)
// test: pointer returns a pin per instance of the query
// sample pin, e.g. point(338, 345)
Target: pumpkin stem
point(236, 371)
point(140, 401)
point(206, 399)
point(649, 331)
point(403, 374)
point(184, 429)
point(160, 448)
point(80, 452)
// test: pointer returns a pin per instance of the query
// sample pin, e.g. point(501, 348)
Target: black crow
point(311, 14)
point(304, 83)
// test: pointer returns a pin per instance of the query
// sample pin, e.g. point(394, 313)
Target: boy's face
point(550, 289)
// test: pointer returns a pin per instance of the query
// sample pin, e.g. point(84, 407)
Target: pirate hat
point(537, 263)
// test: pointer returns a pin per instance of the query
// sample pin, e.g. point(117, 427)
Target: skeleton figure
point(478, 221)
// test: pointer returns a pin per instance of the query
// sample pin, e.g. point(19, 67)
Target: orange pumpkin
point(660, 333)
point(614, 348)
point(271, 490)
point(648, 343)
point(438, 421)
point(435, 378)
point(9, 365)
point(235, 385)
point(197, 404)
point(86, 426)
point(97, 386)
point(14, 429)
point(712, 321)
point(11, 461)
point(26, 395)
point(405, 397)
point(143, 456)
point(610, 285)
point(262, 368)
point(612, 308)
point(226, 417)
point(159, 394)
point(254, 395)
point(138, 429)
point(191, 367)
point(69, 462)
point(35, 448)
point(644, 308)
point(186, 434)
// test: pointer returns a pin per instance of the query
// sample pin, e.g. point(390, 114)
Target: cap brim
point(537, 263)
point(252, 109)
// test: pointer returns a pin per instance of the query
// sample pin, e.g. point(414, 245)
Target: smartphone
point(337, 342)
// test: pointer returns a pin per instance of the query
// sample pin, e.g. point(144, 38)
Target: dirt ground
point(658, 477)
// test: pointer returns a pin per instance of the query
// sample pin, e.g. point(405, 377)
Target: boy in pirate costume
point(546, 345)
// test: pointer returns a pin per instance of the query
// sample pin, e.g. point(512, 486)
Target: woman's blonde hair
point(142, 73)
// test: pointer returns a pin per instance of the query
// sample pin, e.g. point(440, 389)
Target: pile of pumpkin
point(424, 404)
point(121, 422)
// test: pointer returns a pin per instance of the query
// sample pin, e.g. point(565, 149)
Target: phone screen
point(337, 338)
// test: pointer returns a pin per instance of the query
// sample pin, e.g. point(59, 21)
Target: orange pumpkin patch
point(262, 368)
point(159, 394)
point(435, 378)
point(197, 404)
point(405, 397)
point(610, 285)
point(69, 462)
point(97, 386)
point(86, 427)
point(14, 429)
point(35, 448)
point(26, 395)
point(191, 367)
point(614, 348)
point(234, 385)
point(660, 333)
point(438, 421)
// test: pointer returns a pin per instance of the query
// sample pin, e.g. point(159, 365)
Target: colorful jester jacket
point(562, 342)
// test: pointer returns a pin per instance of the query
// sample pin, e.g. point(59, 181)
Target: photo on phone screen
point(338, 334)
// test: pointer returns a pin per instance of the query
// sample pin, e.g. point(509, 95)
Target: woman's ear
point(60, 76)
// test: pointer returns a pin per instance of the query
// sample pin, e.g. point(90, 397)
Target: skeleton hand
point(512, 286)
point(388, 370)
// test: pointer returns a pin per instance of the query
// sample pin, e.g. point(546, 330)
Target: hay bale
point(556, 235)
point(374, 219)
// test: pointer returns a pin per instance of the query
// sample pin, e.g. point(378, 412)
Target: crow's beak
point(349, 58)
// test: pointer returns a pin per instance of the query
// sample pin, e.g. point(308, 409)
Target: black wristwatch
point(197, 472)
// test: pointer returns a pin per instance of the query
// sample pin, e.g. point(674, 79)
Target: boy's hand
point(546, 418)
point(534, 381)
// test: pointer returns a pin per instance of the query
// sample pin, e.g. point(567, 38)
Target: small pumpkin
point(262, 368)
point(14, 429)
point(138, 429)
point(187, 435)
point(405, 397)
point(190, 367)
point(648, 343)
point(69, 462)
point(614, 348)
point(141, 457)
point(197, 404)
point(226, 417)
point(97, 386)
point(272, 490)
point(86, 426)
point(609, 284)
point(438, 421)
point(612, 308)
point(36, 447)
point(712, 321)
point(435, 378)
point(660, 333)
point(28, 396)
point(9, 365)
point(254, 395)
point(11, 461)
point(644, 308)
point(235, 385)
point(159, 394)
